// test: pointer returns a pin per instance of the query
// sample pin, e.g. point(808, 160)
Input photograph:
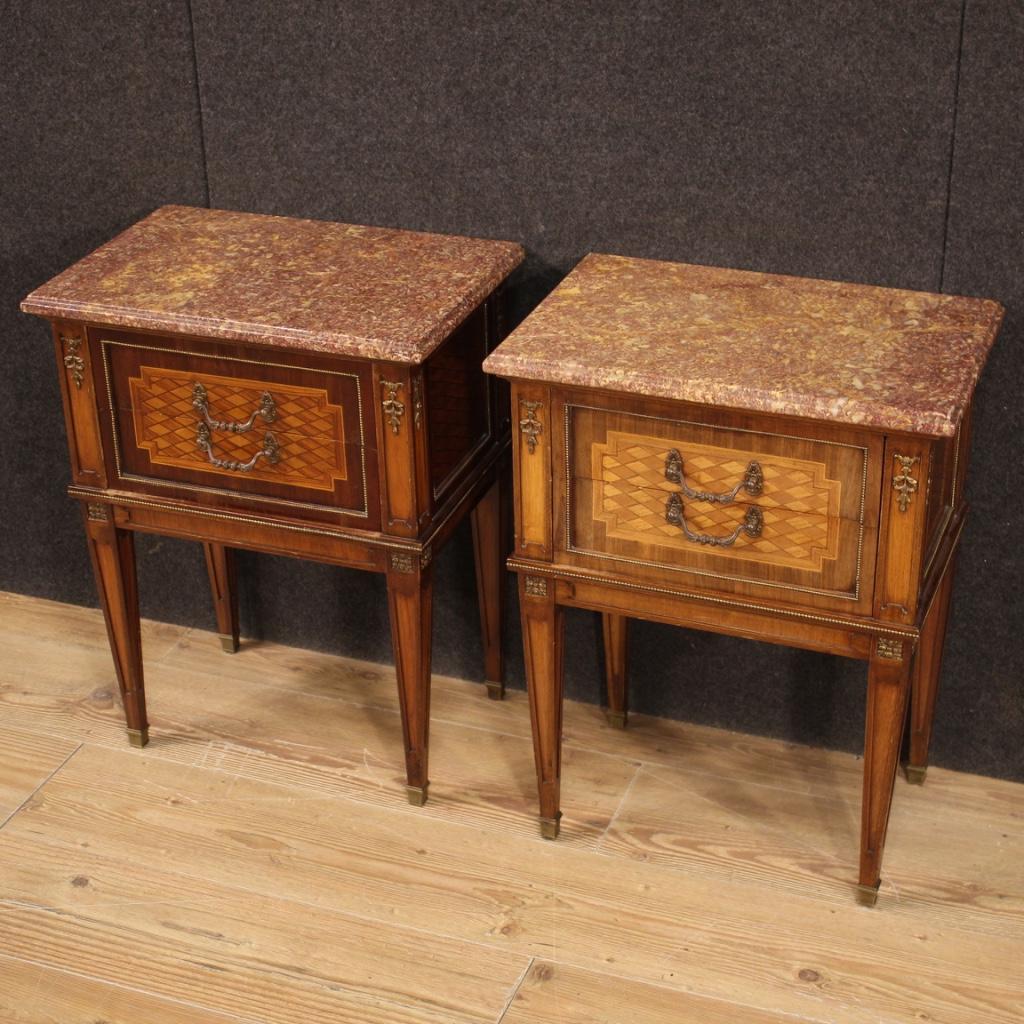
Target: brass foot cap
point(867, 895)
point(417, 794)
point(496, 691)
point(228, 644)
point(138, 737)
point(549, 826)
point(915, 774)
point(616, 719)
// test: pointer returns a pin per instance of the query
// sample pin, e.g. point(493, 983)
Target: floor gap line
point(24, 802)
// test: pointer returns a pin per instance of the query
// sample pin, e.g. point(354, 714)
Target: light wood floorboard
point(33, 994)
point(258, 861)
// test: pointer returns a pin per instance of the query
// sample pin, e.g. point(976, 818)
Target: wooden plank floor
point(258, 861)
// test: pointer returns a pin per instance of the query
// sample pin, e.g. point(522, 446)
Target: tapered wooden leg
point(615, 629)
point(489, 556)
point(220, 564)
point(925, 678)
point(542, 649)
point(112, 552)
point(410, 600)
point(888, 690)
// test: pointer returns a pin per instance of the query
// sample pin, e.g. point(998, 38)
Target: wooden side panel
point(531, 462)
point(75, 364)
point(458, 403)
point(394, 407)
point(907, 464)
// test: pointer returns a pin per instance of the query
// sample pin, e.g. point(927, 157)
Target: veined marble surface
point(848, 353)
point(335, 288)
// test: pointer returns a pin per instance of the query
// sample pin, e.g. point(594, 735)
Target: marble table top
point(848, 353)
point(334, 288)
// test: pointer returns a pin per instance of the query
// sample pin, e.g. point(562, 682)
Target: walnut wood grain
point(532, 467)
point(112, 551)
point(360, 438)
point(488, 524)
point(615, 633)
point(410, 604)
point(861, 525)
point(543, 631)
point(221, 567)
point(925, 679)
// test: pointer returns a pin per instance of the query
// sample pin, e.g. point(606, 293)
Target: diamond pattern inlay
point(308, 427)
point(801, 505)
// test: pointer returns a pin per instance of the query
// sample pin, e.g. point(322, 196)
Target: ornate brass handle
point(752, 525)
point(266, 410)
point(271, 451)
point(752, 482)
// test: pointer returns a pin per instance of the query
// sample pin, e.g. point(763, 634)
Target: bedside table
point(289, 386)
point(767, 457)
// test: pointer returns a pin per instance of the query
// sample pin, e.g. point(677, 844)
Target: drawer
point(737, 509)
point(254, 430)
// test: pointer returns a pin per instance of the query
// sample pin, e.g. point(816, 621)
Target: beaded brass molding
point(340, 534)
point(393, 407)
point(73, 361)
point(515, 564)
point(890, 648)
point(903, 483)
point(530, 425)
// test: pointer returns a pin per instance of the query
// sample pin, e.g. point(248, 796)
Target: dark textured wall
point(866, 141)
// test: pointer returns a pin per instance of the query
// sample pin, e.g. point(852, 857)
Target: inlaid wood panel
point(308, 428)
point(630, 491)
point(296, 437)
point(761, 510)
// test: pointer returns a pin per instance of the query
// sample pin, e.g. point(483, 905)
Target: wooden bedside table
point(290, 386)
point(763, 456)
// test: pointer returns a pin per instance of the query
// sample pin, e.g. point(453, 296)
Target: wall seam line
point(199, 101)
point(952, 147)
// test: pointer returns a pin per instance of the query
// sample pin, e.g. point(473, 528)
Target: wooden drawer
point(186, 416)
point(735, 508)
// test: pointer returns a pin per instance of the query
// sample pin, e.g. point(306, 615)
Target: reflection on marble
point(335, 288)
point(880, 357)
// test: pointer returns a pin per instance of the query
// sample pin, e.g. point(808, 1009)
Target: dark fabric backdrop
point(861, 140)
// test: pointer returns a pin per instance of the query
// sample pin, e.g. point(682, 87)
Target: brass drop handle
point(271, 451)
point(752, 481)
point(266, 410)
point(752, 525)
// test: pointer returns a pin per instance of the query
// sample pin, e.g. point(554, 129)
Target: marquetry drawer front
point(717, 506)
point(278, 433)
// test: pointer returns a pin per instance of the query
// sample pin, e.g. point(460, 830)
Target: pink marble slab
point(335, 288)
point(880, 357)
